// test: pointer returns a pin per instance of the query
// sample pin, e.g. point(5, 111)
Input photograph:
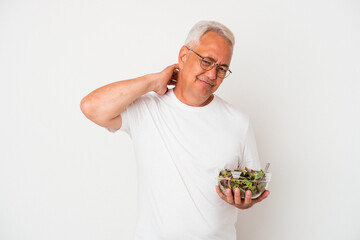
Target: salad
point(252, 180)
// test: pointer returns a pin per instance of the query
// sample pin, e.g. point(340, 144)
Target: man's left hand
point(237, 201)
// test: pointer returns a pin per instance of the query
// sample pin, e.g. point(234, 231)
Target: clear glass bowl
point(257, 187)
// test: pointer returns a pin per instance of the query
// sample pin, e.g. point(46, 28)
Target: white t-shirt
point(179, 151)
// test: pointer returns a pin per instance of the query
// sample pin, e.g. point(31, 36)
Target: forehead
point(215, 46)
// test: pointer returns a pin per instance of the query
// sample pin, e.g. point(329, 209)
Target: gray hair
point(202, 27)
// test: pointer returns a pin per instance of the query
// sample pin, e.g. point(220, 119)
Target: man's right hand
point(105, 104)
point(166, 77)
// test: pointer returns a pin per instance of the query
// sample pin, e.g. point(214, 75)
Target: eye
point(207, 63)
point(222, 69)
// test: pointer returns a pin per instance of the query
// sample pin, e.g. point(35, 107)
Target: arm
point(250, 152)
point(104, 105)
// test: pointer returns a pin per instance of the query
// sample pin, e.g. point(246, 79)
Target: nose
point(211, 74)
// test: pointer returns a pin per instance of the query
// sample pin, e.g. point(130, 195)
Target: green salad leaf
point(252, 180)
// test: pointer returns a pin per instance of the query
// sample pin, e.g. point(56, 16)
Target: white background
point(296, 72)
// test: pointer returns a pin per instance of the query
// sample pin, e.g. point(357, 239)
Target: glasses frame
point(228, 72)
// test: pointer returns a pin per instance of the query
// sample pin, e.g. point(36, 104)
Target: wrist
point(152, 82)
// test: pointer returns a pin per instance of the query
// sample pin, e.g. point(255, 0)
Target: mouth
point(206, 83)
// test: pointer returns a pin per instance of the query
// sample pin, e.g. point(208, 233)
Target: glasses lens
point(206, 64)
point(222, 72)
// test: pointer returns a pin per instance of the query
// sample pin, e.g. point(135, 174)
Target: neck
point(191, 100)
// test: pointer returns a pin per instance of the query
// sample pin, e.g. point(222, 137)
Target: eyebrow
point(212, 59)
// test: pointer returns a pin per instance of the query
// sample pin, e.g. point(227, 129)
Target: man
point(182, 138)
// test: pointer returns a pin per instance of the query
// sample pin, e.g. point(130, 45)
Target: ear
point(183, 54)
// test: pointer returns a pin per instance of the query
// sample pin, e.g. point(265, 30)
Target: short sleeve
point(124, 124)
point(133, 115)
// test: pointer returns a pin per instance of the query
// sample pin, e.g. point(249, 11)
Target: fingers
point(235, 199)
point(175, 73)
point(264, 195)
point(175, 66)
point(171, 73)
point(174, 76)
point(229, 196)
point(166, 77)
point(172, 82)
point(172, 67)
point(247, 201)
point(237, 196)
point(170, 70)
point(223, 197)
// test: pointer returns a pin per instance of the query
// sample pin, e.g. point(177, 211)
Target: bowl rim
point(267, 175)
point(237, 179)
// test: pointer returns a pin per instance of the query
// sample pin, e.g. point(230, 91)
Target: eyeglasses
point(208, 63)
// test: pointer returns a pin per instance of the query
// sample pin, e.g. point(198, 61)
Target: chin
point(204, 93)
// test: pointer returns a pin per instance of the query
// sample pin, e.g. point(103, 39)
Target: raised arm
point(104, 105)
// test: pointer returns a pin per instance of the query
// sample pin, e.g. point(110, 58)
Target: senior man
point(182, 137)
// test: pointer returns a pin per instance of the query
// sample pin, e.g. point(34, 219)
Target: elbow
point(85, 106)
point(91, 110)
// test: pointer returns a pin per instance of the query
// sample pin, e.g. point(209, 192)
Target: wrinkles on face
point(195, 85)
point(206, 79)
